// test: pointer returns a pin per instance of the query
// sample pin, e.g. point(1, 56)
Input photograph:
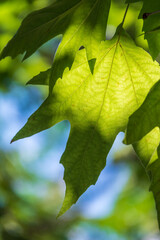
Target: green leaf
point(133, 1)
point(82, 23)
point(148, 150)
point(87, 29)
point(151, 26)
point(142, 122)
point(150, 12)
point(39, 27)
point(41, 79)
point(154, 170)
point(97, 105)
point(146, 117)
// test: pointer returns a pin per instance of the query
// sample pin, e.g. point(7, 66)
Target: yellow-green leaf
point(97, 105)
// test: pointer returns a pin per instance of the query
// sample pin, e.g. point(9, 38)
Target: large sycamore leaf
point(146, 117)
point(150, 12)
point(97, 105)
point(148, 150)
point(82, 23)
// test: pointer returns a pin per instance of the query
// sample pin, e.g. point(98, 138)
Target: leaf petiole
point(121, 25)
point(146, 15)
point(124, 17)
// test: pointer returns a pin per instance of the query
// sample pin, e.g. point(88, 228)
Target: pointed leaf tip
point(13, 139)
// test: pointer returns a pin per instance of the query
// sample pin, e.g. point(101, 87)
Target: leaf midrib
point(132, 83)
point(108, 80)
point(70, 96)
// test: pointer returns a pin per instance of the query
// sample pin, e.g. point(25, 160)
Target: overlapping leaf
point(97, 105)
point(151, 14)
point(39, 27)
point(82, 23)
point(151, 25)
point(146, 117)
point(148, 149)
point(87, 28)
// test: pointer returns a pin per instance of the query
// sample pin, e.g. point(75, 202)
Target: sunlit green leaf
point(97, 105)
point(87, 29)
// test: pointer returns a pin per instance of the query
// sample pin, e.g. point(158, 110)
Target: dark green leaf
point(82, 23)
point(146, 117)
point(39, 27)
point(151, 14)
point(41, 79)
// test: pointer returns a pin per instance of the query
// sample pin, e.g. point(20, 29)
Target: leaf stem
point(146, 15)
point(122, 23)
point(125, 15)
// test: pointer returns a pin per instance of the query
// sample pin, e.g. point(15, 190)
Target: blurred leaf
point(141, 123)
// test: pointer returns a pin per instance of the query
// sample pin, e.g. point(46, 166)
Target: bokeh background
point(118, 207)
